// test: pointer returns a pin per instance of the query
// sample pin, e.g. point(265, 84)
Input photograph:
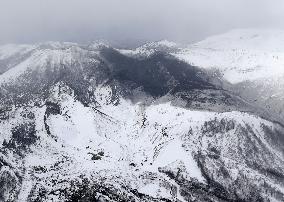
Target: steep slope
point(87, 123)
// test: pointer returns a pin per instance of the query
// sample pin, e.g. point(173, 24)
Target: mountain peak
point(99, 44)
point(150, 48)
point(161, 43)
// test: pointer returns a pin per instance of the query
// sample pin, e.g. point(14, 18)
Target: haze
point(130, 22)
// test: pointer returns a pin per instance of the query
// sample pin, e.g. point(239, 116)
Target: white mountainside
point(240, 54)
point(252, 60)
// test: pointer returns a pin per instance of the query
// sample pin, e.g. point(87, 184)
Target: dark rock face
point(240, 160)
point(158, 74)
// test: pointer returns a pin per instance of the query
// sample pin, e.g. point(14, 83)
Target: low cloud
point(132, 21)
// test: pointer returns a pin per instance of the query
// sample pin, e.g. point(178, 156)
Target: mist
point(131, 22)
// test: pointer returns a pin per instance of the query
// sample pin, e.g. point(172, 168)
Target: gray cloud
point(132, 21)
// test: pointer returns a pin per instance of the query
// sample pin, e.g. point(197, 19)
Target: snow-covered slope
point(251, 60)
point(240, 54)
point(137, 147)
point(89, 123)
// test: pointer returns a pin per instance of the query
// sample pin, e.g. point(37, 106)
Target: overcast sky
point(132, 21)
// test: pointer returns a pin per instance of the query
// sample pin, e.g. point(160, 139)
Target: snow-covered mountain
point(240, 55)
point(251, 60)
point(93, 123)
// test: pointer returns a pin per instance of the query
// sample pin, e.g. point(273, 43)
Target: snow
point(42, 55)
point(164, 42)
point(121, 139)
point(81, 131)
point(142, 51)
point(155, 190)
point(98, 44)
point(174, 152)
point(73, 131)
point(148, 49)
point(240, 54)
